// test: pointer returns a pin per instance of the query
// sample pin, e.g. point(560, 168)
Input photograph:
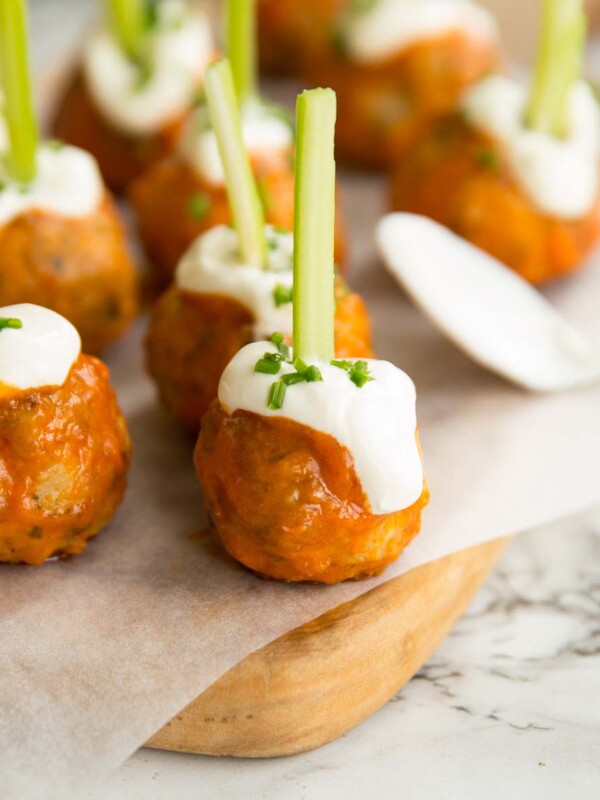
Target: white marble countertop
point(508, 707)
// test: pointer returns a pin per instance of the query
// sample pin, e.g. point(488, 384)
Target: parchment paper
point(98, 652)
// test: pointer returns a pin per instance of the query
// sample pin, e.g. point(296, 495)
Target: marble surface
point(508, 707)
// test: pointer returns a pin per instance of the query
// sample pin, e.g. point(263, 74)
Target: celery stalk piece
point(129, 21)
point(241, 46)
point(16, 85)
point(314, 225)
point(558, 66)
point(246, 208)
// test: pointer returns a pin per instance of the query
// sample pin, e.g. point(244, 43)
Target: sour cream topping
point(265, 132)
point(387, 27)
point(179, 47)
point(41, 353)
point(67, 182)
point(559, 175)
point(212, 265)
point(377, 422)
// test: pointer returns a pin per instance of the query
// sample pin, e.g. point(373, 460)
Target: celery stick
point(314, 225)
point(558, 66)
point(246, 208)
point(241, 46)
point(16, 85)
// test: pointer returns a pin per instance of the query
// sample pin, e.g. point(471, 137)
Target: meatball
point(287, 503)
point(292, 32)
point(174, 205)
point(79, 267)
point(482, 202)
point(384, 107)
point(192, 338)
point(121, 156)
point(64, 454)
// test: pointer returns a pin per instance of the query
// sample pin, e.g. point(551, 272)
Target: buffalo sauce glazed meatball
point(526, 197)
point(292, 32)
point(62, 245)
point(319, 480)
point(396, 65)
point(64, 446)
point(218, 304)
point(129, 114)
point(185, 195)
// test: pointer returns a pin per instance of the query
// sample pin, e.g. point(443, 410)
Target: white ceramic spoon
point(485, 308)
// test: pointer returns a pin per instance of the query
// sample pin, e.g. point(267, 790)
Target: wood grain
point(317, 682)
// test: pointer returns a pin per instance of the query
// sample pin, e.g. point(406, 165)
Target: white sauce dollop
point(41, 353)
point(264, 131)
point(377, 423)
point(179, 48)
point(390, 26)
point(67, 182)
point(212, 266)
point(559, 175)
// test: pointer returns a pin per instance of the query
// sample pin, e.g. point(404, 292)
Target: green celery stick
point(16, 85)
point(246, 208)
point(314, 225)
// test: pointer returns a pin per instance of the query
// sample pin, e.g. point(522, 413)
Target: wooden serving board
point(320, 680)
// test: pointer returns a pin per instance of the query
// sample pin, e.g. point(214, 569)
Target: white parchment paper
point(98, 652)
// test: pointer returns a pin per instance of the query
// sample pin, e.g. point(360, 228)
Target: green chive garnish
point(282, 294)
point(314, 225)
point(278, 340)
point(276, 395)
point(358, 371)
point(245, 204)
point(269, 364)
point(241, 46)
point(198, 206)
point(558, 66)
point(15, 82)
point(10, 322)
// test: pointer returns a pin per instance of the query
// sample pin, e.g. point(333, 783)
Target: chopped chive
point(282, 294)
point(198, 206)
point(130, 20)
point(278, 340)
point(486, 158)
point(358, 371)
point(312, 374)
point(241, 46)
point(314, 225)
point(558, 66)
point(15, 82)
point(267, 367)
point(245, 204)
point(291, 378)
point(10, 322)
point(276, 395)
point(269, 364)
point(300, 365)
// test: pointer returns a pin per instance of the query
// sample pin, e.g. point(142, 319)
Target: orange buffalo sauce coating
point(460, 177)
point(79, 267)
point(121, 156)
point(384, 107)
point(192, 337)
point(287, 503)
point(64, 454)
point(174, 205)
point(294, 32)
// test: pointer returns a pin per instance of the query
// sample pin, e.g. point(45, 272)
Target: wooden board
point(315, 683)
